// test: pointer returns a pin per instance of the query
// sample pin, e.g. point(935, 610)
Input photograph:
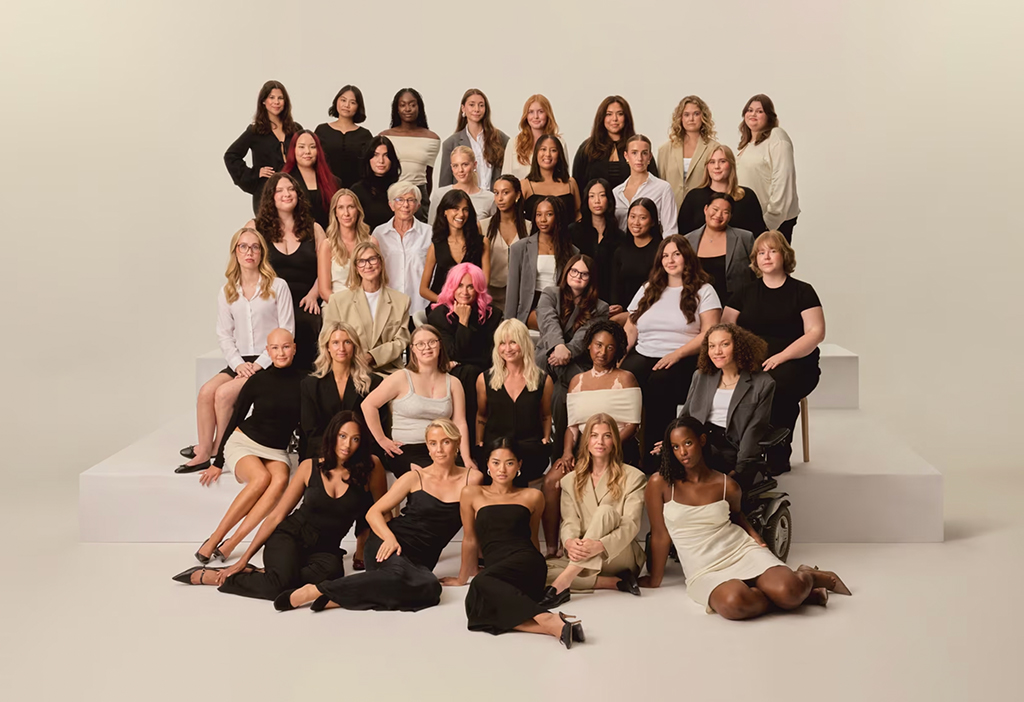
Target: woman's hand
point(226, 573)
point(463, 312)
point(615, 309)
point(470, 463)
point(391, 448)
point(668, 360)
point(452, 582)
point(311, 303)
point(452, 364)
point(773, 362)
point(209, 476)
point(387, 548)
point(582, 549)
point(245, 370)
point(566, 464)
point(657, 448)
point(266, 172)
point(559, 356)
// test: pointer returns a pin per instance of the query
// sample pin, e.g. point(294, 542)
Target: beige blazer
point(619, 545)
point(383, 336)
point(670, 161)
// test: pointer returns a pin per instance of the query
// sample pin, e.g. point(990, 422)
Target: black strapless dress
point(505, 593)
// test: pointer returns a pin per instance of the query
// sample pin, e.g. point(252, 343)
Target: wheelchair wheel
point(778, 533)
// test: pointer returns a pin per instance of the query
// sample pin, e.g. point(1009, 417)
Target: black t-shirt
point(631, 269)
point(774, 315)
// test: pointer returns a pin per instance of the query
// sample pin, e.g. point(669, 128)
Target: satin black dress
point(505, 593)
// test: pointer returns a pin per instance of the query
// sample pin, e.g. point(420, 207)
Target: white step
point(838, 387)
point(862, 485)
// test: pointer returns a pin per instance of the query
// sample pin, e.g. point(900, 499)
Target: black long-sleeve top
point(585, 170)
point(469, 345)
point(344, 152)
point(584, 238)
point(746, 213)
point(266, 151)
point(320, 402)
point(631, 269)
point(376, 210)
point(273, 396)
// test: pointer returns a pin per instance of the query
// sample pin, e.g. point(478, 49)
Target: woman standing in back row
point(691, 140)
point(538, 119)
point(344, 141)
point(414, 143)
point(603, 154)
point(474, 130)
point(764, 161)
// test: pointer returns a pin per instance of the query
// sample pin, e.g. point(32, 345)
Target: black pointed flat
point(188, 452)
point(186, 468)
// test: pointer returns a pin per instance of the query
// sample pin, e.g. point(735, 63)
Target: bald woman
point(255, 448)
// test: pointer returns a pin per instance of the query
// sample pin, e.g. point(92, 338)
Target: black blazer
point(749, 410)
point(320, 402)
point(266, 151)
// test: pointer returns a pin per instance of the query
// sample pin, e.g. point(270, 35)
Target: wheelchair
point(766, 508)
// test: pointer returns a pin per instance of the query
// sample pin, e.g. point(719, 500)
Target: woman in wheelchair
point(727, 565)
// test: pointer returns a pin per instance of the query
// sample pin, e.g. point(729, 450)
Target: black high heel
point(217, 553)
point(200, 557)
point(320, 603)
point(577, 627)
point(283, 602)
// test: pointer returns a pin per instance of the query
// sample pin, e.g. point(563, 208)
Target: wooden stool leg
point(805, 429)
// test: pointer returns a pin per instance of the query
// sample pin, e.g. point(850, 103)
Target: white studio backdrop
point(118, 208)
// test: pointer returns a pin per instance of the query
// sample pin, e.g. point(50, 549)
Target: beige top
point(339, 275)
point(623, 404)
point(768, 169)
point(416, 154)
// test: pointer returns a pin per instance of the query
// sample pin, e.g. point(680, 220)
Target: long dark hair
point(360, 115)
point(261, 120)
point(371, 179)
point(470, 230)
point(599, 145)
point(517, 211)
point(655, 232)
point(494, 152)
point(769, 111)
point(360, 463)
point(694, 278)
point(588, 300)
point(561, 170)
point(421, 113)
point(326, 185)
point(561, 235)
point(587, 217)
point(268, 222)
point(671, 469)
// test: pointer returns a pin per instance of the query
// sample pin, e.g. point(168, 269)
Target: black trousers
point(794, 380)
point(307, 330)
point(664, 390)
point(786, 229)
point(287, 564)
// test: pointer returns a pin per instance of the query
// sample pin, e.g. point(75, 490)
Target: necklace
point(725, 386)
point(594, 373)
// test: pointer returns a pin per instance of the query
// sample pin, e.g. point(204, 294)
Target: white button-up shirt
point(405, 257)
point(658, 190)
point(484, 170)
point(243, 326)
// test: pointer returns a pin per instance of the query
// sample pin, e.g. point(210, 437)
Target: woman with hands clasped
point(398, 576)
point(728, 567)
point(501, 520)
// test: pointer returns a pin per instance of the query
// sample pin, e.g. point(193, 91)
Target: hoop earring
point(518, 472)
point(488, 471)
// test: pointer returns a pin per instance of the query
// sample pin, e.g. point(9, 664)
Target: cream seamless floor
point(104, 621)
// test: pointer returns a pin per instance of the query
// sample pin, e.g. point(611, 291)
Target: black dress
point(266, 151)
point(344, 151)
point(321, 402)
point(403, 582)
point(298, 269)
point(444, 262)
point(521, 419)
point(568, 201)
point(746, 213)
point(306, 547)
point(631, 269)
point(584, 238)
point(373, 196)
point(505, 593)
point(317, 208)
point(585, 169)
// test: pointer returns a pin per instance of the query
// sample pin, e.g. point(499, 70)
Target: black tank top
point(444, 262)
point(426, 526)
point(298, 269)
point(324, 519)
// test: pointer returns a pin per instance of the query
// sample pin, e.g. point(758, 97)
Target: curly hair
point(588, 300)
point(360, 464)
point(769, 111)
point(671, 469)
point(707, 125)
point(494, 152)
point(773, 239)
point(261, 120)
point(524, 140)
point(694, 278)
point(584, 463)
point(617, 333)
point(268, 222)
point(560, 173)
point(748, 349)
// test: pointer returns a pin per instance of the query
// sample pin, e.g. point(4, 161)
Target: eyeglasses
point(367, 262)
point(582, 275)
point(420, 345)
point(404, 201)
point(247, 248)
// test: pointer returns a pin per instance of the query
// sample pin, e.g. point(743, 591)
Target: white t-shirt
point(663, 327)
point(720, 407)
point(372, 298)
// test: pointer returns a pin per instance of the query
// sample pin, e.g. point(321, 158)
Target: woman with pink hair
point(464, 316)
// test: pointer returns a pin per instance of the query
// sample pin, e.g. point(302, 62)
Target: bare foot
point(200, 576)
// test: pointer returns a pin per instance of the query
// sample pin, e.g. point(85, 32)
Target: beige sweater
point(769, 170)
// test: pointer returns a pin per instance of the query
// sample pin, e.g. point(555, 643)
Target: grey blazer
point(460, 139)
point(738, 245)
point(749, 409)
point(522, 277)
point(552, 333)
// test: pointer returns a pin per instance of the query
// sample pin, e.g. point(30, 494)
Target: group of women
point(532, 333)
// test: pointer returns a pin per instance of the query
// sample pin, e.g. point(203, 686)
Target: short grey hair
point(402, 188)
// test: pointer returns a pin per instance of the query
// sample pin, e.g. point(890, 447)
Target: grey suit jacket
point(738, 245)
point(522, 277)
point(383, 336)
point(749, 410)
point(460, 139)
point(552, 333)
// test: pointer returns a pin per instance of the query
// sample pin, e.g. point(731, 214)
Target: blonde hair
point(514, 330)
point(584, 463)
point(234, 271)
point(466, 151)
point(338, 251)
point(359, 371)
point(450, 429)
point(776, 240)
point(733, 183)
point(355, 278)
point(524, 140)
point(707, 125)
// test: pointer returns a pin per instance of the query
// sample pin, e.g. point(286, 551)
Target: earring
point(488, 471)
point(518, 472)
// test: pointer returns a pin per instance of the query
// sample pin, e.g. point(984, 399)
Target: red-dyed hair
point(447, 295)
point(325, 183)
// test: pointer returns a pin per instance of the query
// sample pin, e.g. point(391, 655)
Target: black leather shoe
point(627, 583)
point(553, 599)
point(188, 452)
point(283, 602)
point(185, 468)
point(320, 603)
